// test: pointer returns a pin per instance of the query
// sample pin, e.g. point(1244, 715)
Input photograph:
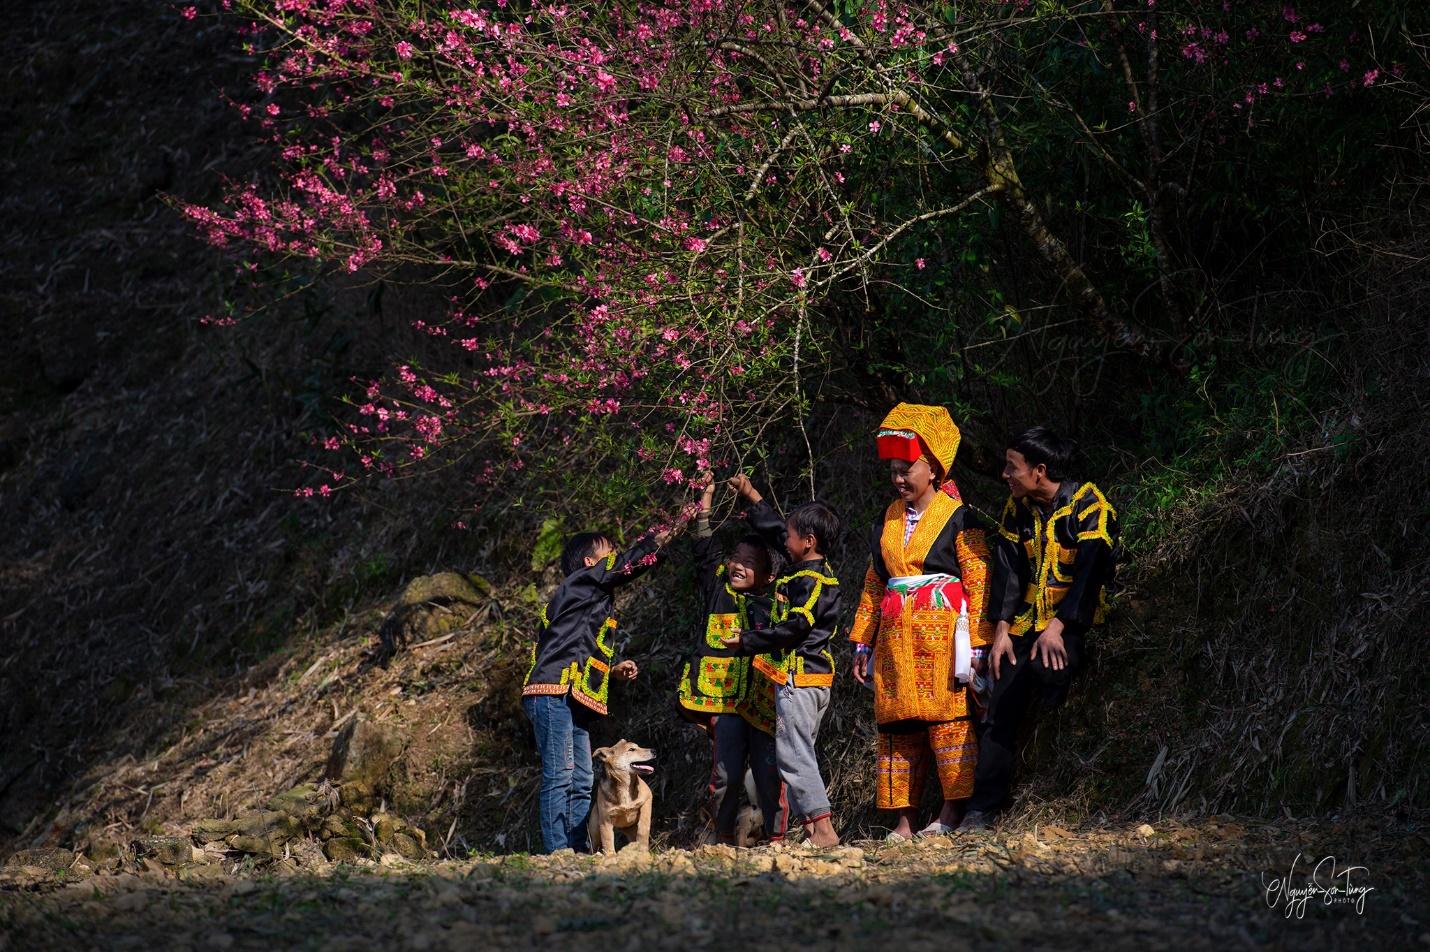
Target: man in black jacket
point(1052, 565)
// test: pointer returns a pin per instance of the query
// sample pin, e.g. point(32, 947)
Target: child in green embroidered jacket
point(718, 689)
point(804, 619)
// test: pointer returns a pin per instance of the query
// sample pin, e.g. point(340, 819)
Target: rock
point(716, 851)
point(431, 606)
point(209, 830)
point(308, 854)
point(385, 826)
point(25, 876)
point(200, 873)
point(361, 757)
point(304, 803)
point(442, 587)
point(680, 865)
point(346, 849)
point(168, 850)
point(821, 867)
point(340, 825)
point(762, 863)
point(52, 860)
point(407, 846)
point(255, 824)
point(257, 845)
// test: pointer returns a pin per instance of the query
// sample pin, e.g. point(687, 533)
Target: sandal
point(935, 829)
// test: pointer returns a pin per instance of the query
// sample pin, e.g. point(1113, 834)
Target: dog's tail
point(752, 795)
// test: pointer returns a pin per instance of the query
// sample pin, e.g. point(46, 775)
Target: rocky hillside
point(183, 646)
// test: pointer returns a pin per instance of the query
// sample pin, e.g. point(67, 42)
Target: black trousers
point(1019, 688)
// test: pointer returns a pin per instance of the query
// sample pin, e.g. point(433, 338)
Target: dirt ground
point(1178, 886)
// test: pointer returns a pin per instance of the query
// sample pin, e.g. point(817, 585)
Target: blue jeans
point(564, 742)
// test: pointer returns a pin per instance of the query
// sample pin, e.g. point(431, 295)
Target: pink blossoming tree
point(644, 210)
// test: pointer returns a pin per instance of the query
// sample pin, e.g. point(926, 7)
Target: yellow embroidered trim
point(813, 680)
point(569, 675)
point(909, 559)
point(810, 573)
point(770, 668)
point(1008, 520)
point(1049, 558)
point(866, 616)
point(606, 648)
point(974, 562)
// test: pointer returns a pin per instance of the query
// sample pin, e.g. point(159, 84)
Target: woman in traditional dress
point(921, 627)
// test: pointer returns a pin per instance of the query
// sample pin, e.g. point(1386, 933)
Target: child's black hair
point(756, 543)
point(1040, 445)
point(581, 545)
point(819, 520)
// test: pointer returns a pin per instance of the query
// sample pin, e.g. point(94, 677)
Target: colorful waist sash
point(934, 593)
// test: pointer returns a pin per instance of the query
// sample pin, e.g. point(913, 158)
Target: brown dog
point(622, 801)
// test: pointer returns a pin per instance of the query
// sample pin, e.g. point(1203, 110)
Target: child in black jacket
point(568, 684)
point(718, 689)
point(804, 619)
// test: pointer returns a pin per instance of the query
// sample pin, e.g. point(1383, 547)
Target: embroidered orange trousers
point(904, 760)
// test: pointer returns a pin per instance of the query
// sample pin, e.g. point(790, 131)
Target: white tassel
point(962, 647)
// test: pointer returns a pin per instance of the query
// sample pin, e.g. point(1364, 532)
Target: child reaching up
point(803, 621)
point(568, 684)
point(717, 690)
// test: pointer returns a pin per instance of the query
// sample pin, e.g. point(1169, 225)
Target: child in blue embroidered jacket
point(568, 684)
point(804, 619)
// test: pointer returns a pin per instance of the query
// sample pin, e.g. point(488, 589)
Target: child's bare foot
point(821, 833)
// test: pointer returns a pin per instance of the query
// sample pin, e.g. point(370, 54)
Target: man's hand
point(741, 484)
point(625, 670)
point(733, 642)
point(1002, 647)
point(1049, 648)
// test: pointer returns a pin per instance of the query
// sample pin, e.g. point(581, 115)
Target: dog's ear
point(600, 753)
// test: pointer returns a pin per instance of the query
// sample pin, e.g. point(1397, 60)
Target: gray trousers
point(798, 713)
point(739, 746)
